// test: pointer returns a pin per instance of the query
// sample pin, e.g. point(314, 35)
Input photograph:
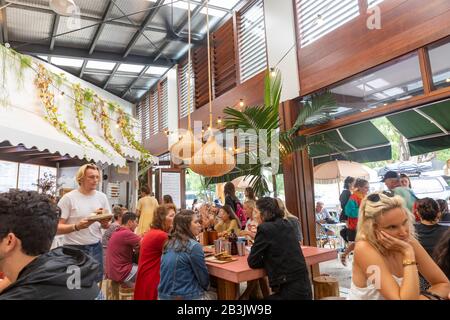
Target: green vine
point(100, 114)
point(124, 123)
point(43, 81)
point(79, 110)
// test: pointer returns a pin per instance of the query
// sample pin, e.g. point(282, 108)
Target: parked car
point(432, 187)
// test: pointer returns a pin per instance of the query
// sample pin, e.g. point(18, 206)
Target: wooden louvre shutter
point(318, 18)
point(145, 117)
point(200, 62)
point(224, 59)
point(252, 40)
point(154, 112)
point(372, 3)
point(164, 105)
point(183, 74)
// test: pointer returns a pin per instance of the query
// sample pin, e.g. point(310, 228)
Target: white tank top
point(369, 292)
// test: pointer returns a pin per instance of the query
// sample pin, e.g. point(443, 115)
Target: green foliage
point(266, 117)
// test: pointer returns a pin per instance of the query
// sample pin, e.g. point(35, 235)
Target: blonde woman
point(251, 224)
point(388, 258)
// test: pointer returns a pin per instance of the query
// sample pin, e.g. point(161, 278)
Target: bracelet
point(75, 227)
point(409, 262)
point(431, 295)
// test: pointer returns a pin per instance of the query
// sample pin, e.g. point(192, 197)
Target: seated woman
point(276, 249)
point(295, 222)
point(429, 232)
point(442, 254)
point(228, 222)
point(251, 224)
point(184, 275)
point(388, 258)
point(148, 276)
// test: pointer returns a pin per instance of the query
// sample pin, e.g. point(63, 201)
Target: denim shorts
point(95, 251)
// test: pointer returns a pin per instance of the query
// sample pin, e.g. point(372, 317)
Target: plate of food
point(99, 216)
point(222, 257)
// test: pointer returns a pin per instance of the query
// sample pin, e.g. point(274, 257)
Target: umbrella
point(337, 170)
point(242, 182)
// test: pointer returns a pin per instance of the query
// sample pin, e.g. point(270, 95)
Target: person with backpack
point(231, 200)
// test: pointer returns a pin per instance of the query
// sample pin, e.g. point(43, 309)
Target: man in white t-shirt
point(79, 204)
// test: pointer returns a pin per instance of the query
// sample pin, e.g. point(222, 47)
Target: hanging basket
point(186, 147)
point(212, 160)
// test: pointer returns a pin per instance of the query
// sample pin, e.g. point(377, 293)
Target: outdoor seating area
point(224, 150)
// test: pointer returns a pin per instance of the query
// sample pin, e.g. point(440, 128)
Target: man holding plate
point(84, 212)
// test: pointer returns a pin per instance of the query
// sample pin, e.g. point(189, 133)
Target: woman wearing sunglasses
point(388, 258)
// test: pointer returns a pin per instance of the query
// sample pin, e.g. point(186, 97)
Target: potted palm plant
point(266, 117)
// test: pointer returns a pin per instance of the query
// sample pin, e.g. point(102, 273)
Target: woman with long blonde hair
point(388, 258)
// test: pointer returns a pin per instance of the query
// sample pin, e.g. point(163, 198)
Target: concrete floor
point(335, 269)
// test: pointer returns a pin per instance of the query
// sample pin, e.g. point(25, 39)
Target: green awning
point(361, 142)
point(427, 128)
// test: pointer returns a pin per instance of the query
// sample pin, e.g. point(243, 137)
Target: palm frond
point(321, 103)
point(272, 88)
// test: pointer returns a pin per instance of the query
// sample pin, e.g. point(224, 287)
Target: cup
point(227, 247)
point(218, 244)
point(241, 248)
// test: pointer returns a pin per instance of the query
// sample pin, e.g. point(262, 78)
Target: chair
point(126, 293)
point(323, 238)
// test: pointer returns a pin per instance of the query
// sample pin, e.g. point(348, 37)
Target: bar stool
point(126, 293)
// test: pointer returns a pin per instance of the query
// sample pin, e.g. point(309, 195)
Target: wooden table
point(230, 274)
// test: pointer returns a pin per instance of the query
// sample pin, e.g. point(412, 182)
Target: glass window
point(8, 175)
point(252, 41)
point(28, 177)
point(440, 64)
point(394, 81)
point(318, 18)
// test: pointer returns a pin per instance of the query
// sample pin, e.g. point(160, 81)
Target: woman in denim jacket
point(184, 275)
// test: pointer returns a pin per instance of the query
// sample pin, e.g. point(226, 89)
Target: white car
point(431, 187)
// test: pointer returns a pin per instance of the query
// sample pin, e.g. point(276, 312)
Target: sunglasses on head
point(375, 197)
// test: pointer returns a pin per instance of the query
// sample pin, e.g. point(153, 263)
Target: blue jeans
point(95, 251)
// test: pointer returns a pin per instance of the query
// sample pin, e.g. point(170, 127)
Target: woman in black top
point(429, 232)
point(343, 199)
point(276, 249)
point(443, 208)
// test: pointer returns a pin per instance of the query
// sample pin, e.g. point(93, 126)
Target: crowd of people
point(158, 250)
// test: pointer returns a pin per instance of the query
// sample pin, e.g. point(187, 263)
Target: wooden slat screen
point(145, 117)
point(224, 59)
point(164, 105)
point(252, 40)
point(183, 74)
point(333, 13)
point(372, 3)
point(154, 112)
point(200, 62)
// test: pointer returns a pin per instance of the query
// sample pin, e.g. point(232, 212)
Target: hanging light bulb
point(212, 160)
point(185, 148)
point(219, 120)
point(63, 7)
point(241, 103)
point(273, 73)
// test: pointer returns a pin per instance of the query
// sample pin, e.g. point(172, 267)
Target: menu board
point(113, 190)
point(171, 185)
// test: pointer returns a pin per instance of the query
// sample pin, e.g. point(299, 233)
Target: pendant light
point(63, 7)
point(185, 148)
point(212, 160)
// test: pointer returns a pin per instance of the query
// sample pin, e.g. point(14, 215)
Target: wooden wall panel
point(200, 66)
point(405, 26)
point(224, 59)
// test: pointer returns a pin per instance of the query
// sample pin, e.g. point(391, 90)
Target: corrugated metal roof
point(30, 25)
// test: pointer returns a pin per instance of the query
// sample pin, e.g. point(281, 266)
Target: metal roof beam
point(76, 53)
point(101, 26)
point(134, 81)
point(96, 21)
point(181, 26)
point(83, 67)
point(121, 74)
point(113, 73)
point(151, 14)
point(54, 31)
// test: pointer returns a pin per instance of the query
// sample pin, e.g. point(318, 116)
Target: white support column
point(172, 81)
point(280, 36)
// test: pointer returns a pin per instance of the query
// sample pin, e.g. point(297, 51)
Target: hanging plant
point(79, 110)
point(42, 82)
point(100, 114)
point(125, 127)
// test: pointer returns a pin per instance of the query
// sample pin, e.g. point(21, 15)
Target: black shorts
point(351, 235)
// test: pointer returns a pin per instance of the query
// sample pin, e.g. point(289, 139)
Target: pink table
point(230, 274)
